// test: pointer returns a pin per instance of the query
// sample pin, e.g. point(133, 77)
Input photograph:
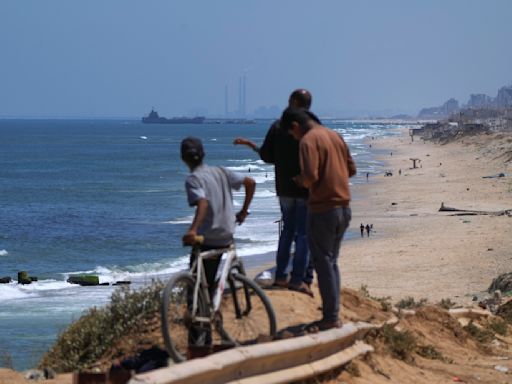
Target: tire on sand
point(253, 319)
point(176, 315)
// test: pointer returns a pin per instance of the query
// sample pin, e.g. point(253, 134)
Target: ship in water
point(154, 118)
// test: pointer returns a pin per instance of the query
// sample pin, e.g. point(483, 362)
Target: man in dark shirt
point(280, 149)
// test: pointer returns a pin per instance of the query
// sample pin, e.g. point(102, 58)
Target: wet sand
point(416, 250)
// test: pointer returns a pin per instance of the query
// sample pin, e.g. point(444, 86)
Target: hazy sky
point(121, 57)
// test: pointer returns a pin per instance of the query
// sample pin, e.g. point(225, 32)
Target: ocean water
point(107, 197)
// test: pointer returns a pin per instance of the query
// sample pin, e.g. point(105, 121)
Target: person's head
point(298, 121)
point(192, 152)
point(300, 98)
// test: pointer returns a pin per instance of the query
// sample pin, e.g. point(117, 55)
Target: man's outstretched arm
point(247, 142)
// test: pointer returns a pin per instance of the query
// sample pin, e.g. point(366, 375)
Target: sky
point(120, 58)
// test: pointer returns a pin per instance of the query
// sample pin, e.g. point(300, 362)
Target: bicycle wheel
point(179, 329)
point(247, 315)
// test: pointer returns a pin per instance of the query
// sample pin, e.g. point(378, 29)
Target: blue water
point(107, 197)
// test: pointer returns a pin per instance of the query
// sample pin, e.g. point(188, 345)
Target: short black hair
point(302, 97)
point(299, 115)
point(192, 151)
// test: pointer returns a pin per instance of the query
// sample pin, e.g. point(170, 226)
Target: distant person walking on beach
point(367, 176)
point(326, 165)
point(280, 149)
point(368, 229)
point(361, 227)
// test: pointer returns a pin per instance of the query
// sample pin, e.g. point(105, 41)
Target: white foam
point(252, 167)
point(143, 137)
point(261, 179)
point(130, 272)
point(44, 285)
point(241, 160)
point(349, 137)
point(255, 250)
point(181, 220)
point(265, 193)
point(12, 291)
point(3, 252)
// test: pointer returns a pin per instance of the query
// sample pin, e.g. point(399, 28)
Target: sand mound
point(429, 346)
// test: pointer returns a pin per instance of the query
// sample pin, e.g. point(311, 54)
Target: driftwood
point(468, 212)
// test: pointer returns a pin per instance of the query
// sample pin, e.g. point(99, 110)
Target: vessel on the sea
point(154, 118)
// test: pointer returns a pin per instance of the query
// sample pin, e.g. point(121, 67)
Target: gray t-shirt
point(214, 184)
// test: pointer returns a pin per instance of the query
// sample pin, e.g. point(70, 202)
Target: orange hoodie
point(326, 165)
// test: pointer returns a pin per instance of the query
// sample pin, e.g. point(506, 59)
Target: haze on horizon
point(119, 58)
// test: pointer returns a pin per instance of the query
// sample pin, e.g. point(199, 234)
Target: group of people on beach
point(367, 227)
point(312, 168)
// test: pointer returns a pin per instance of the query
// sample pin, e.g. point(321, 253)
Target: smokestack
point(240, 101)
point(244, 97)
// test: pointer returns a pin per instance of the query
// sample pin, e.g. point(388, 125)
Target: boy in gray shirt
point(209, 190)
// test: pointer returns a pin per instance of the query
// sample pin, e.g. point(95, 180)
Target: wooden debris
point(468, 212)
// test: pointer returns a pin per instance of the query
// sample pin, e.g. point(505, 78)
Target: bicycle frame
point(201, 283)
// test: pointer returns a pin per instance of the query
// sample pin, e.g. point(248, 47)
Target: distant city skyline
point(242, 59)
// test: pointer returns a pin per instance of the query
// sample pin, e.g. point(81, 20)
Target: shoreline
point(416, 250)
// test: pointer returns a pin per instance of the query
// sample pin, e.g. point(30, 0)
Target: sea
point(106, 197)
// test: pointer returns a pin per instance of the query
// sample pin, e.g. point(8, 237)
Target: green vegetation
point(430, 352)
point(99, 329)
point(353, 369)
point(482, 335)
point(505, 312)
point(385, 302)
point(498, 326)
point(410, 303)
point(401, 344)
point(363, 290)
point(446, 304)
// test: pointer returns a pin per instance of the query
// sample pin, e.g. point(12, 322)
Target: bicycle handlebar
point(198, 240)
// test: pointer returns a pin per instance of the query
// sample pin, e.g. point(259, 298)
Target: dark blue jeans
point(325, 232)
point(294, 216)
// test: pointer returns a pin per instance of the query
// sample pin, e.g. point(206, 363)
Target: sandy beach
point(415, 250)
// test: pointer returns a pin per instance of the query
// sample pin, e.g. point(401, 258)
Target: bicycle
point(239, 310)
